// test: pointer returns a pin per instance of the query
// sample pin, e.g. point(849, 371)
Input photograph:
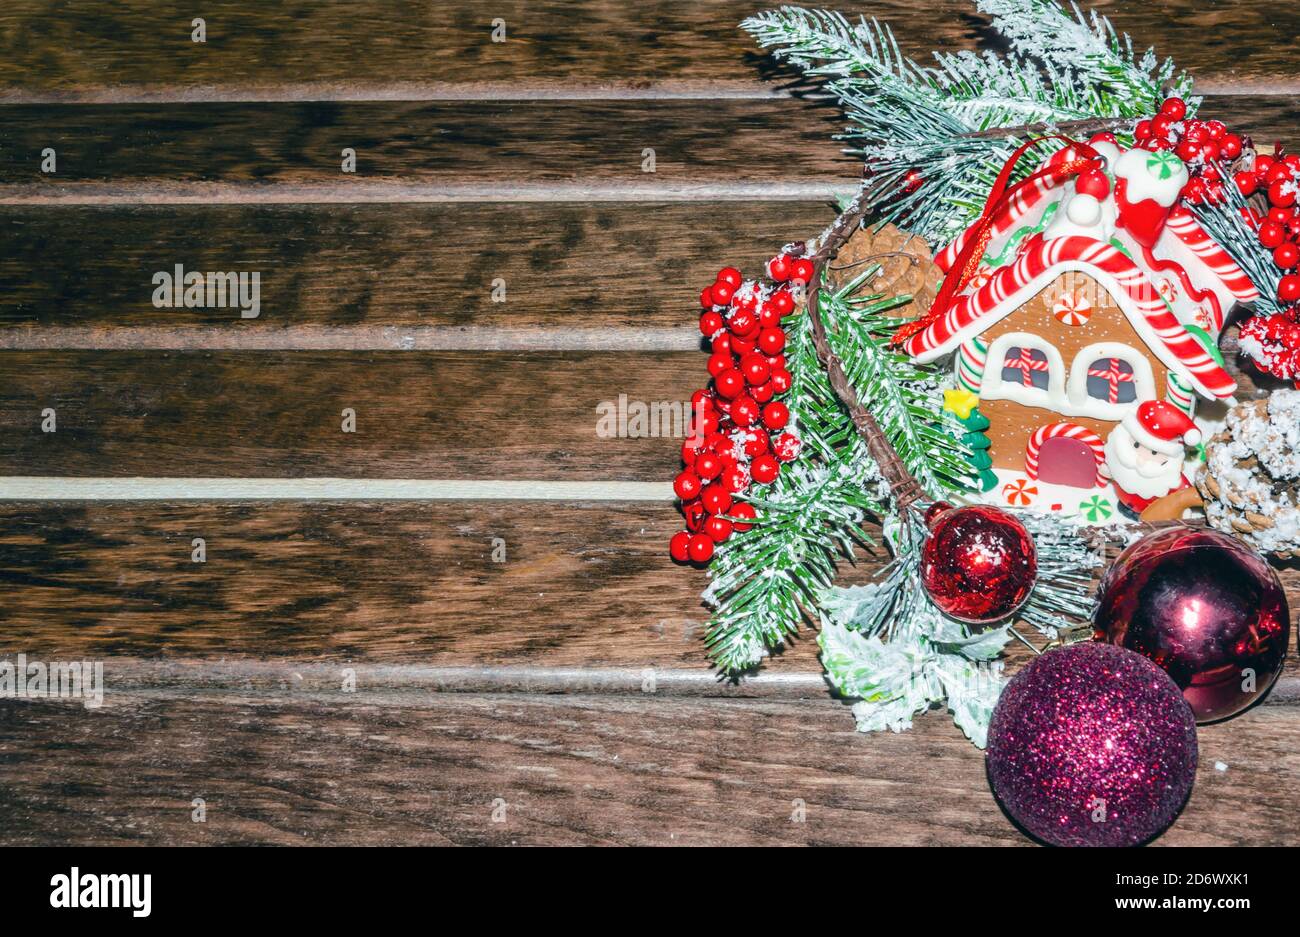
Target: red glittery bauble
point(978, 564)
point(1092, 745)
point(1206, 608)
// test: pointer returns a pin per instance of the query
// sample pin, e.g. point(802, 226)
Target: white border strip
point(33, 488)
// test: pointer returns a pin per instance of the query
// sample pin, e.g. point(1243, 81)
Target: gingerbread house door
point(1066, 461)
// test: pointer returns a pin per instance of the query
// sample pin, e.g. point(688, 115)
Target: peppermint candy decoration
point(1019, 493)
point(1096, 509)
point(1072, 308)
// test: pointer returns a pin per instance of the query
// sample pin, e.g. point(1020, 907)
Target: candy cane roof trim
point(1038, 264)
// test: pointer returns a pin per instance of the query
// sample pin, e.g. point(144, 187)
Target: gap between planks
point(363, 192)
point(47, 488)
point(494, 91)
point(326, 680)
point(244, 335)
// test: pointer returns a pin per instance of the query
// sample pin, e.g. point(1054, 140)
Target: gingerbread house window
point(1027, 367)
point(1112, 380)
point(1108, 378)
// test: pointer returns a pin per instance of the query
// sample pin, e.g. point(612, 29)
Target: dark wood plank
point(494, 144)
point(630, 267)
point(395, 769)
point(580, 585)
point(502, 143)
point(279, 414)
point(419, 415)
point(346, 47)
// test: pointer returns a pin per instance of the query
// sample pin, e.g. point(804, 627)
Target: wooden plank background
point(531, 648)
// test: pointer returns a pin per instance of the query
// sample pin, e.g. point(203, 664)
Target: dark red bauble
point(1206, 608)
point(1090, 745)
point(978, 564)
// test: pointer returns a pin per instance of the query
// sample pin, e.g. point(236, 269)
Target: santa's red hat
point(1162, 427)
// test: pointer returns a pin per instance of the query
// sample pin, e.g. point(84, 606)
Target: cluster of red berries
point(1273, 342)
point(1275, 179)
point(737, 433)
point(1204, 145)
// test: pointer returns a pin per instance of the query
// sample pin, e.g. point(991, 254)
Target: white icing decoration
point(1083, 210)
point(1142, 184)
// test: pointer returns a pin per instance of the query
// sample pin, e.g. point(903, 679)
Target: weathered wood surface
point(520, 160)
point(341, 47)
point(496, 145)
point(394, 272)
point(407, 769)
point(523, 415)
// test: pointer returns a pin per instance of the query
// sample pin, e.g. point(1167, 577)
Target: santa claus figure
point(1145, 454)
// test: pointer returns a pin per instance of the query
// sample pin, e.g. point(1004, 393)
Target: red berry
point(730, 275)
point(693, 511)
point(1271, 234)
point(775, 415)
point(1263, 163)
point(801, 271)
point(777, 362)
point(1286, 255)
point(763, 392)
point(1194, 191)
point(756, 442)
point(1174, 108)
point(755, 368)
point(786, 446)
point(706, 298)
point(771, 341)
point(743, 323)
point(704, 423)
point(1187, 150)
point(1288, 289)
point(677, 546)
point(708, 466)
point(700, 548)
point(1278, 172)
point(722, 292)
point(742, 346)
point(710, 322)
point(730, 383)
point(717, 529)
point(1282, 193)
point(742, 510)
point(1230, 146)
point(1160, 125)
point(1216, 128)
point(721, 343)
point(686, 485)
point(1142, 131)
point(718, 362)
point(765, 469)
point(783, 302)
point(736, 479)
point(744, 410)
point(778, 268)
point(1246, 183)
point(768, 317)
point(716, 499)
point(781, 380)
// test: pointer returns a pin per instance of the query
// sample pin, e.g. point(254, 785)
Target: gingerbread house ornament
point(1095, 294)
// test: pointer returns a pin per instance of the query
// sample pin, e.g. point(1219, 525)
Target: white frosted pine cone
point(1251, 479)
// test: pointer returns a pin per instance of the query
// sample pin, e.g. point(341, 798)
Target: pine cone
point(912, 272)
point(1251, 479)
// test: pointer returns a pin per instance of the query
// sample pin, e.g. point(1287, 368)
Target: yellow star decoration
point(960, 402)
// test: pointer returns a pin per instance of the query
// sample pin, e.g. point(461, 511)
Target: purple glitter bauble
point(1092, 745)
point(1206, 608)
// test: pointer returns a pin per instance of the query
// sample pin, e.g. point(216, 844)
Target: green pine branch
point(767, 580)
